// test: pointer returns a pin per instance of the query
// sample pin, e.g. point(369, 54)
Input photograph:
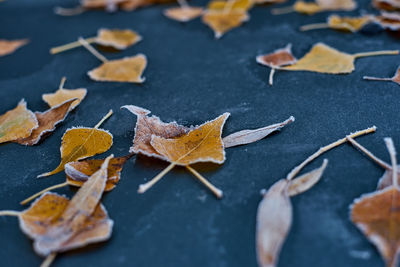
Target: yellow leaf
point(219, 5)
point(203, 144)
point(183, 14)
point(8, 47)
point(348, 23)
point(325, 59)
point(308, 8)
point(221, 22)
point(17, 123)
point(79, 143)
point(119, 39)
point(62, 95)
point(128, 69)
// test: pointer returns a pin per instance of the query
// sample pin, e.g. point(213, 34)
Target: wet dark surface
point(192, 78)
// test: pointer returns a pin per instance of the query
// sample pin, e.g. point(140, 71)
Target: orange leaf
point(47, 123)
point(17, 123)
point(202, 144)
point(119, 39)
point(183, 14)
point(129, 69)
point(278, 58)
point(62, 95)
point(8, 47)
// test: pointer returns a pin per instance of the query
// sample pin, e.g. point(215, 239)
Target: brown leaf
point(9, 47)
point(202, 144)
point(389, 5)
point(17, 123)
point(278, 58)
point(129, 5)
point(183, 14)
point(78, 172)
point(147, 126)
point(250, 136)
point(395, 78)
point(128, 69)
point(47, 123)
point(74, 217)
point(274, 219)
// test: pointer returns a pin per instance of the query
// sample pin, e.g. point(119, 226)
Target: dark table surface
point(192, 78)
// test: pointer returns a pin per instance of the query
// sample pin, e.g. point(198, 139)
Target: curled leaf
point(78, 172)
point(306, 181)
point(250, 136)
point(202, 144)
point(17, 123)
point(183, 14)
point(389, 5)
point(47, 123)
point(389, 21)
point(274, 219)
point(128, 69)
point(9, 47)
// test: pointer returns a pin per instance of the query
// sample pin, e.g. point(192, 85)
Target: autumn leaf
point(310, 8)
point(278, 58)
point(376, 214)
point(56, 224)
point(47, 123)
point(351, 24)
point(183, 14)
point(129, 5)
point(128, 69)
point(389, 5)
point(274, 213)
point(17, 123)
point(62, 95)
point(82, 142)
point(388, 20)
point(116, 38)
point(325, 59)
point(395, 78)
point(8, 47)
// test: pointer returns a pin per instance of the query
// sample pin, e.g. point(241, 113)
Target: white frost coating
point(249, 136)
point(274, 219)
point(74, 173)
point(203, 159)
point(306, 181)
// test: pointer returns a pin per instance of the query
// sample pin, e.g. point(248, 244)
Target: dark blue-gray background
point(192, 78)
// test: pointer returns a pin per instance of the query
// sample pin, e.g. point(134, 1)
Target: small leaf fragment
point(119, 39)
point(306, 181)
point(79, 143)
point(274, 219)
point(280, 57)
point(8, 47)
point(47, 123)
point(17, 123)
point(250, 136)
point(128, 69)
point(78, 172)
point(183, 14)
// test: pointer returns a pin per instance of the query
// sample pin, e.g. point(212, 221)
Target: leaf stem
point(369, 154)
point(183, 3)
point(92, 50)
point(217, 192)
point(9, 213)
point(376, 53)
point(271, 76)
point(377, 79)
point(49, 260)
point(62, 11)
point(314, 26)
point(62, 82)
point(144, 187)
point(62, 48)
point(29, 199)
point(324, 149)
point(110, 112)
point(392, 152)
point(282, 10)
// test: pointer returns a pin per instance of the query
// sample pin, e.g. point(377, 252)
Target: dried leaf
point(308, 8)
point(306, 181)
point(351, 24)
point(386, 180)
point(388, 21)
point(147, 126)
point(221, 22)
point(202, 144)
point(183, 14)
point(62, 95)
point(63, 234)
point(109, 5)
point(129, 5)
point(325, 59)
point(311, 8)
point(128, 69)
point(79, 143)
point(78, 172)
point(250, 136)
point(389, 5)
point(119, 39)
point(227, 6)
point(17, 123)
point(274, 219)
point(47, 123)
point(395, 78)
point(8, 47)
